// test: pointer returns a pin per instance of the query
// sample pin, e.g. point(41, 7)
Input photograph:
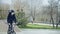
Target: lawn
point(36, 26)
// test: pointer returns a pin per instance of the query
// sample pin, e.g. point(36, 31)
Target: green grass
point(36, 26)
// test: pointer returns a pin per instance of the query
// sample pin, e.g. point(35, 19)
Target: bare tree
point(34, 13)
point(51, 12)
point(16, 5)
point(52, 5)
point(57, 17)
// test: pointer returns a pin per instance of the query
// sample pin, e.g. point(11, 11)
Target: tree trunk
point(52, 21)
point(51, 14)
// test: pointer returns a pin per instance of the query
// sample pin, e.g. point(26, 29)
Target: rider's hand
point(16, 22)
point(8, 23)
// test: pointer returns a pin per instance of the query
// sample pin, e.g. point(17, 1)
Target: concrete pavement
point(4, 27)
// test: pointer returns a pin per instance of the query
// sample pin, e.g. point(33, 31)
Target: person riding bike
point(11, 19)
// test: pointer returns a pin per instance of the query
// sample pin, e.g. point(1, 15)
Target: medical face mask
point(12, 13)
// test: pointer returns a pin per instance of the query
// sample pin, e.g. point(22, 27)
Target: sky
point(6, 1)
point(29, 1)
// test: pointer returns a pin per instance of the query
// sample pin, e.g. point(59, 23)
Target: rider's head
point(11, 12)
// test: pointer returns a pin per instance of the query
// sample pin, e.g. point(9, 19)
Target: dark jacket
point(11, 18)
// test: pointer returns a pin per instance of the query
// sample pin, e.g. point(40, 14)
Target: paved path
point(4, 27)
point(40, 31)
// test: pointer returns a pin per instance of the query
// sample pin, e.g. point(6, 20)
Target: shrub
point(21, 19)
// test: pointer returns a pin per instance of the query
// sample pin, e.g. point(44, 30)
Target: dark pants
point(11, 28)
